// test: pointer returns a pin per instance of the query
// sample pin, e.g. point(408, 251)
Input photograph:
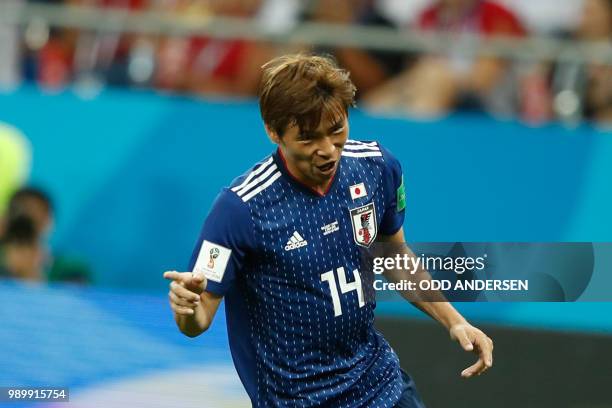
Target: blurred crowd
point(422, 85)
point(25, 252)
point(26, 221)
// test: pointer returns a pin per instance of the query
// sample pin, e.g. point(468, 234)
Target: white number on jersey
point(344, 287)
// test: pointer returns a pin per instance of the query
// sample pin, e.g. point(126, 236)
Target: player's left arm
point(469, 337)
point(432, 303)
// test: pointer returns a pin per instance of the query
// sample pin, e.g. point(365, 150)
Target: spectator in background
point(369, 69)
point(596, 25)
point(438, 83)
point(21, 255)
point(104, 57)
point(29, 222)
point(36, 205)
point(48, 53)
point(596, 21)
point(586, 90)
point(211, 65)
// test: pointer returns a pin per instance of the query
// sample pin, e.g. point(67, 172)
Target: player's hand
point(473, 339)
point(185, 291)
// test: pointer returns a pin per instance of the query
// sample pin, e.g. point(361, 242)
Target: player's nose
point(326, 148)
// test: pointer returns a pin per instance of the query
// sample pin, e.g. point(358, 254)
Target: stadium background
point(133, 174)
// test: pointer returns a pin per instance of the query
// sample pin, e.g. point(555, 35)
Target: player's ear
point(272, 134)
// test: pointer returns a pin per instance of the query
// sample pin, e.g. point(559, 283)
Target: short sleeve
point(225, 241)
point(395, 196)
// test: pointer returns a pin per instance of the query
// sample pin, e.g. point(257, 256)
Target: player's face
point(313, 156)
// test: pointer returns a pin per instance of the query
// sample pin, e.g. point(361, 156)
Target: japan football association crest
point(364, 224)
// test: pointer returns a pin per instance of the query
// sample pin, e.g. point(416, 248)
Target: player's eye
point(338, 131)
point(305, 141)
point(305, 137)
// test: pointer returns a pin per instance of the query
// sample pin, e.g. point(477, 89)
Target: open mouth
point(326, 168)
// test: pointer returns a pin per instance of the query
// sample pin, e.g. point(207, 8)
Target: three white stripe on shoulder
point(267, 173)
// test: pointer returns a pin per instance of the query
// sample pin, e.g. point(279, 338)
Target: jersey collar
point(281, 163)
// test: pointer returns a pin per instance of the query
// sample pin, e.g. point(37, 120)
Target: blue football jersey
point(286, 259)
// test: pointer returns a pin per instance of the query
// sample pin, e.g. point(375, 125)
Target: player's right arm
point(194, 308)
point(218, 257)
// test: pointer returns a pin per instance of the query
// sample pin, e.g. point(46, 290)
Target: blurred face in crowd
point(40, 213)
point(313, 156)
point(24, 255)
point(596, 22)
point(25, 261)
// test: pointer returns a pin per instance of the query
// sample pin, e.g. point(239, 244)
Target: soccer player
point(282, 246)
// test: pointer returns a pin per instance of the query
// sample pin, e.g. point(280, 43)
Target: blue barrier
point(134, 173)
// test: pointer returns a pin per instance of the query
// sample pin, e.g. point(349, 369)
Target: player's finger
point(181, 301)
point(485, 347)
point(198, 280)
point(181, 310)
point(177, 276)
point(476, 368)
point(183, 292)
point(463, 339)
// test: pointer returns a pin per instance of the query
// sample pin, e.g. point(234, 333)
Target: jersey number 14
point(345, 287)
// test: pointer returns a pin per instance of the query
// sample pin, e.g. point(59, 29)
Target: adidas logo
point(296, 241)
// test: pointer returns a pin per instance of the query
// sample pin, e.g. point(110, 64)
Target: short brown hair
point(301, 89)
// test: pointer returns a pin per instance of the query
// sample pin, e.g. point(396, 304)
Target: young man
point(281, 245)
